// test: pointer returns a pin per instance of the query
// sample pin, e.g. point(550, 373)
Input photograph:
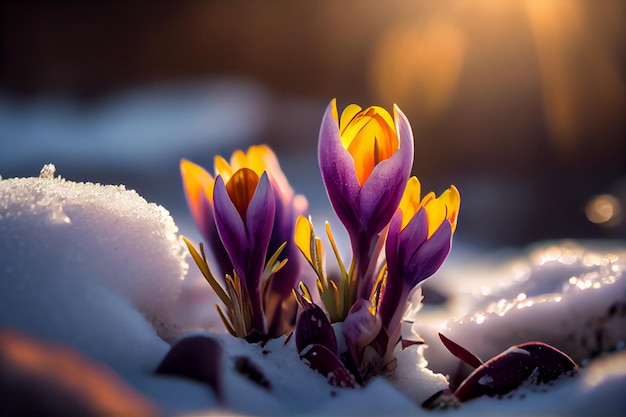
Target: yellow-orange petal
point(333, 110)
point(303, 234)
point(241, 188)
point(256, 159)
point(452, 200)
point(262, 158)
point(445, 207)
point(436, 214)
point(346, 117)
point(196, 182)
point(411, 200)
point(223, 168)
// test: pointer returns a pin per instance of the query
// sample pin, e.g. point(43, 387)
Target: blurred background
point(520, 104)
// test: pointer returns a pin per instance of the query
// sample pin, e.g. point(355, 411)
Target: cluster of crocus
point(246, 213)
point(398, 237)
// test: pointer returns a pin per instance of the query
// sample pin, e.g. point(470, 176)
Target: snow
point(100, 270)
point(57, 233)
point(413, 378)
point(566, 294)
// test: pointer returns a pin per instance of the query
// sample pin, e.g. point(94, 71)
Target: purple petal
point(259, 224)
point(284, 222)
point(338, 173)
point(392, 244)
point(394, 290)
point(321, 359)
point(392, 303)
point(314, 328)
point(230, 227)
point(400, 247)
point(280, 305)
point(212, 237)
point(412, 237)
point(427, 259)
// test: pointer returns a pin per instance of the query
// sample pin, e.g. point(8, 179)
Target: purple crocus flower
point(277, 300)
point(418, 241)
point(365, 159)
point(244, 216)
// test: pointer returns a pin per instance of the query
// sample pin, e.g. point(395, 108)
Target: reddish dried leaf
point(460, 352)
point(507, 371)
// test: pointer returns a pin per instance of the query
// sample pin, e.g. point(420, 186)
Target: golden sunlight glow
point(369, 136)
point(241, 188)
point(576, 69)
point(419, 65)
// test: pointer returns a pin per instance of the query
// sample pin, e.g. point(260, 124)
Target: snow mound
point(572, 298)
point(64, 242)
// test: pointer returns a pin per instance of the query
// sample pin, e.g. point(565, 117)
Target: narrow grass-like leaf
point(201, 261)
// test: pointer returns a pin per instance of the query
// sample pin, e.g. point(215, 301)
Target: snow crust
point(298, 390)
point(67, 245)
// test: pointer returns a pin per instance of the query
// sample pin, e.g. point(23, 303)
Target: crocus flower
point(418, 241)
point(199, 186)
point(365, 158)
point(244, 213)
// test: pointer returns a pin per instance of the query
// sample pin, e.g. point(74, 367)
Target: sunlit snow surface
point(99, 269)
